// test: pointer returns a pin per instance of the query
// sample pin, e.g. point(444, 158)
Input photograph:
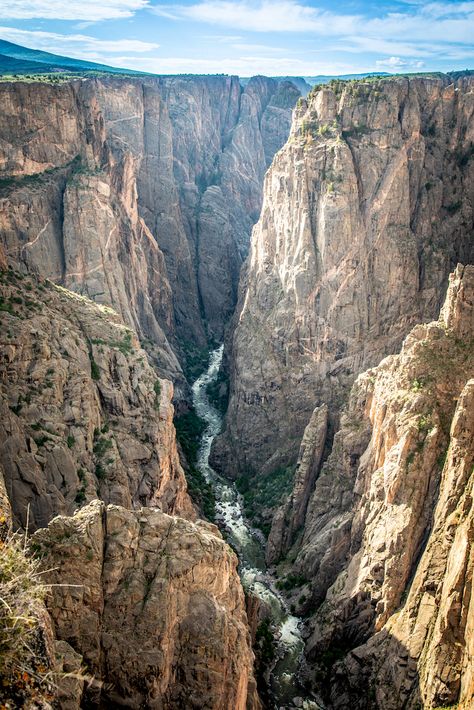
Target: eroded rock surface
point(366, 210)
point(388, 540)
point(140, 193)
point(155, 609)
point(82, 412)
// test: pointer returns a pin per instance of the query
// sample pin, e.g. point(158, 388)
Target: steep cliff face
point(155, 609)
point(83, 414)
point(366, 210)
point(389, 532)
point(140, 193)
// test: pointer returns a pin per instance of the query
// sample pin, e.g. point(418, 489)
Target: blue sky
point(273, 37)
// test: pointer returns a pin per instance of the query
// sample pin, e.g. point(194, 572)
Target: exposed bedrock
point(140, 193)
point(154, 606)
point(366, 210)
point(82, 411)
point(388, 538)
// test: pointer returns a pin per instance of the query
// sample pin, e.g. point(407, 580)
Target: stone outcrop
point(154, 606)
point(82, 412)
point(289, 519)
point(140, 193)
point(366, 210)
point(389, 532)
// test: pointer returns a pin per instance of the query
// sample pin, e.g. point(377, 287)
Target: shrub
point(95, 372)
point(70, 441)
point(24, 665)
point(157, 389)
point(189, 428)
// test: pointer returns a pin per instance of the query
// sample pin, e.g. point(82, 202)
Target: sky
point(247, 37)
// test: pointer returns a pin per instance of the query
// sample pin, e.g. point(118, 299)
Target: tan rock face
point(366, 210)
point(140, 193)
point(155, 609)
point(83, 413)
point(388, 541)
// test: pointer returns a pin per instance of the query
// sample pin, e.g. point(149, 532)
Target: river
point(283, 681)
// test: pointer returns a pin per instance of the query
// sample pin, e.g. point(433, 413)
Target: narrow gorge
point(237, 392)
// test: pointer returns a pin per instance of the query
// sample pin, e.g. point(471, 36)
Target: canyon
point(343, 473)
point(141, 194)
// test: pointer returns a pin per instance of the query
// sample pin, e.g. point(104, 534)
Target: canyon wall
point(143, 606)
point(125, 212)
point(366, 210)
point(140, 193)
point(153, 606)
point(83, 413)
point(388, 538)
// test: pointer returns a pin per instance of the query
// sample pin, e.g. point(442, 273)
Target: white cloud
point(398, 63)
point(449, 23)
point(393, 62)
point(263, 16)
point(73, 45)
point(88, 10)
point(223, 39)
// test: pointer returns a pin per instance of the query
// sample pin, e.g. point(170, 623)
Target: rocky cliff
point(83, 414)
point(153, 605)
point(366, 210)
point(389, 531)
point(140, 193)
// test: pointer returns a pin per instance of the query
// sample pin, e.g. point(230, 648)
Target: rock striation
point(389, 531)
point(154, 606)
point(140, 193)
point(366, 210)
point(82, 412)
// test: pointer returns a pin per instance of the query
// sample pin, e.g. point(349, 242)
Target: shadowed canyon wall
point(140, 193)
point(366, 210)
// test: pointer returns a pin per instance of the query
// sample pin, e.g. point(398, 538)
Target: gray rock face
point(290, 518)
point(140, 193)
point(366, 210)
point(387, 543)
point(82, 412)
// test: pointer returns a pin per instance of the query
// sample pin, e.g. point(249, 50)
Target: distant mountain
point(15, 59)
point(326, 78)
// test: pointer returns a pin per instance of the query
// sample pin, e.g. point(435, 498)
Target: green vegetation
point(101, 445)
point(263, 493)
point(124, 345)
point(11, 182)
point(291, 581)
point(264, 647)
point(356, 131)
point(218, 392)
point(95, 372)
point(453, 207)
point(189, 429)
point(417, 384)
point(196, 360)
point(157, 390)
point(81, 493)
point(463, 157)
point(41, 440)
point(70, 441)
